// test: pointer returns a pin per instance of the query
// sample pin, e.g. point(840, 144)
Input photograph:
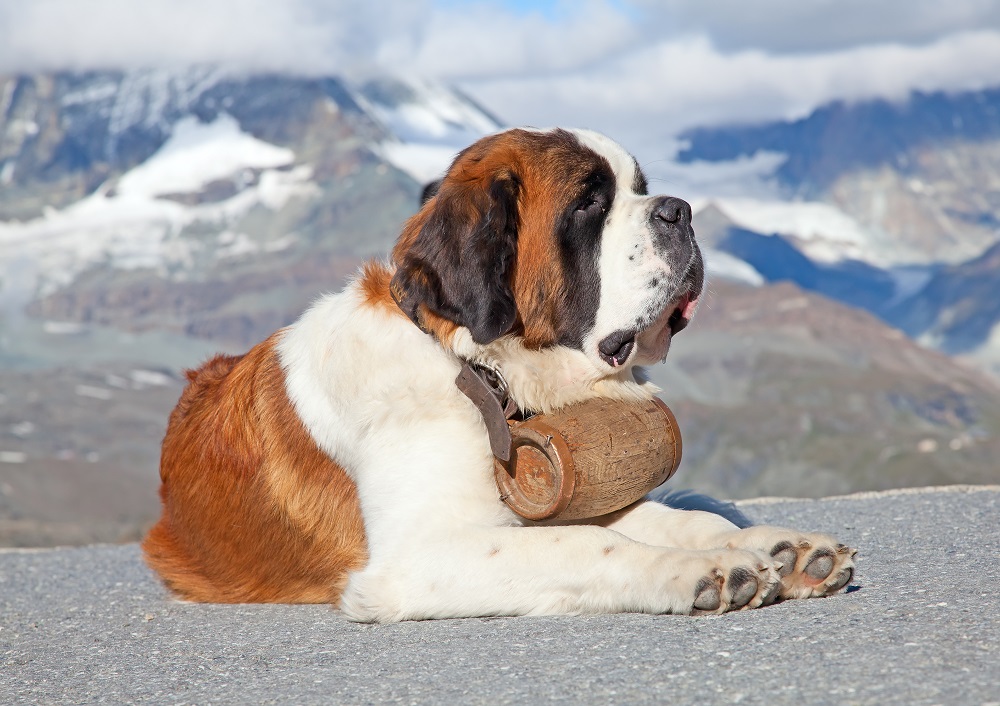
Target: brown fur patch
point(375, 280)
point(253, 511)
point(376, 287)
point(442, 329)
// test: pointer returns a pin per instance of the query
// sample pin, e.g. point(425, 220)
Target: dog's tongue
point(654, 342)
point(682, 313)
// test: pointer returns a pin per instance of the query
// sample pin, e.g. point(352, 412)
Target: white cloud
point(811, 26)
point(485, 40)
point(639, 71)
point(647, 95)
point(304, 35)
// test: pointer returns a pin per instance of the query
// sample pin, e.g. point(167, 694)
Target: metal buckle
point(495, 379)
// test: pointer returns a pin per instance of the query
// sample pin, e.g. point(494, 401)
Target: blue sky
point(549, 9)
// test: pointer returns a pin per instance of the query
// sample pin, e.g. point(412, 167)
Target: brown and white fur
point(338, 462)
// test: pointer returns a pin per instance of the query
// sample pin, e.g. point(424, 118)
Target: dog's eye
point(590, 205)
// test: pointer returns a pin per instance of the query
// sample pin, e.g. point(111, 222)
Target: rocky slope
point(206, 203)
point(152, 217)
point(783, 392)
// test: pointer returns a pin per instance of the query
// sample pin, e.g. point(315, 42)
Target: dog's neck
point(537, 380)
point(545, 380)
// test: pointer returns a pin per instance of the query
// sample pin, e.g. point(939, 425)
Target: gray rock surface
point(920, 624)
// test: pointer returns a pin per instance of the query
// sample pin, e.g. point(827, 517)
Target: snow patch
point(94, 393)
point(276, 188)
point(240, 244)
point(132, 227)
point(825, 233)
point(722, 264)
point(149, 378)
point(433, 114)
point(909, 281)
point(429, 127)
point(197, 154)
point(280, 244)
point(63, 328)
point(93, 93)
point(424, 163)
point(986, 355)
point(145, 96)
point(235, 245)
point(22, 429)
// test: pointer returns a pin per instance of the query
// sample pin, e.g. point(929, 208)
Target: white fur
point(545, 380)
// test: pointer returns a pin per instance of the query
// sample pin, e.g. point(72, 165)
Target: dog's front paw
point(733, 580)
point(812, 564)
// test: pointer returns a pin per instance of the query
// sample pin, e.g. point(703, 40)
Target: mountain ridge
point(844, 137)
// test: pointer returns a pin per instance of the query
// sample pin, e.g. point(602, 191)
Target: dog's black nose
point(672, 210)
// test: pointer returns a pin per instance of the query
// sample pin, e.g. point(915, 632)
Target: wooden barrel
point(588, 459)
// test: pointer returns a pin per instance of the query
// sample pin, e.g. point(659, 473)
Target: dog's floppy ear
point(458, 263)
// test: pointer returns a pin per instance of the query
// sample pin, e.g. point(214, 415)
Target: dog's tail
point(690, 500)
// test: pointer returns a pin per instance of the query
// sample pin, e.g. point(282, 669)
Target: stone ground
point(920, 624)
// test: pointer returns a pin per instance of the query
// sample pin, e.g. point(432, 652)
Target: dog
point(337, 462)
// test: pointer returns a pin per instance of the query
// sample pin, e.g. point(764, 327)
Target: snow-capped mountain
point(428, 123)
point(149, 219)
point(121, 189)
point(886, 206)
point(918, 179)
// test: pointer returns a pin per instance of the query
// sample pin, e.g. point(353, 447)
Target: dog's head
point(551, 237)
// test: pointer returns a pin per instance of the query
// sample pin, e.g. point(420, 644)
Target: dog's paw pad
point(820, 564)
point(773, 593)
point(812, 564)
point(842, 579)
point(743, 586)
point(785, 553)
point(708, 593)
point(813, 567)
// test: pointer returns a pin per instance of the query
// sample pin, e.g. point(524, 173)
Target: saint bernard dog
point(337, 461)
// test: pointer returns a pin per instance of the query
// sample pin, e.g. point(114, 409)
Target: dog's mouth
point(616, 348)
point(653, 340)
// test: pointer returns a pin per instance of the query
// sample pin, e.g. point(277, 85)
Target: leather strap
point(488, 391)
